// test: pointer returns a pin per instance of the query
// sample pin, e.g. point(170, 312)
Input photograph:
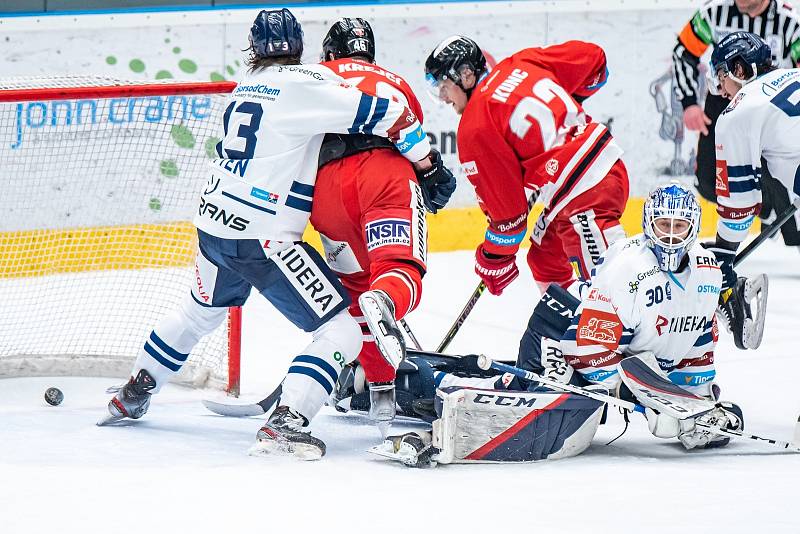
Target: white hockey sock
point(313, 373)
point(169, 344)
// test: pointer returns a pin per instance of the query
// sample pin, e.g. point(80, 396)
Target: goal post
point(100, 179)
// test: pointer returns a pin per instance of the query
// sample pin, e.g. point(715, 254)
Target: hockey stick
point(473, 299)
point(767, 233)
point(264, 405)
point(245, 410)
point(411, 335)
point(484, 362)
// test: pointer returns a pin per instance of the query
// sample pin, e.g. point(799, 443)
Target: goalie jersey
point(632, 306)
point(762, 120)
point(261, 185)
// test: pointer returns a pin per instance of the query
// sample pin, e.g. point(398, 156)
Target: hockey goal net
point(100, 179)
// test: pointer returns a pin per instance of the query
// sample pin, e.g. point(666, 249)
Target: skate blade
point(109, 419)
point(301, 451)
point(756, 291)
point(383, 428)
point(406, 454)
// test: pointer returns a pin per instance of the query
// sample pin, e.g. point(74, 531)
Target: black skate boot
point(282, 434)
point(378, 311)
point(736, 308)
point(132, 400)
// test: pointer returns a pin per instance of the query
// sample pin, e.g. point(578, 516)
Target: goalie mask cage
point(100, 180)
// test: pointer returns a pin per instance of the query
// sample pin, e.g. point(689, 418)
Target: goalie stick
point(484, 362)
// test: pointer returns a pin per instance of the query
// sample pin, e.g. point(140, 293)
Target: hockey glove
point(725, 415)
point(725, 257)
point(437, 183)
point(495, 271)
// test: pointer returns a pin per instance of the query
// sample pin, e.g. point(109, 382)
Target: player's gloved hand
point(437, 183)
point(695, 119)
point(495, 271)
point(725, 257)
point(725, 415)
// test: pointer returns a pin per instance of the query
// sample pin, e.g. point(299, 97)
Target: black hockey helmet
point(349, 37)
point(450, 58)
point(276, 33)
point(745, 49)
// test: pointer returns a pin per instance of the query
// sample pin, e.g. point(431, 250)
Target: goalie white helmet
point(671, 221)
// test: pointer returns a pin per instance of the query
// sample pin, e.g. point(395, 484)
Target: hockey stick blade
point(245, 410)
point(233, 410)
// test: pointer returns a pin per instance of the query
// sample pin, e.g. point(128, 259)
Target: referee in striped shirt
point(778, 23)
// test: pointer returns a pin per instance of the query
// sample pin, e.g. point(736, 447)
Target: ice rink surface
point(182, 469)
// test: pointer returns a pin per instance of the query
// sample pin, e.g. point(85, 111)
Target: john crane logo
point(62, 120)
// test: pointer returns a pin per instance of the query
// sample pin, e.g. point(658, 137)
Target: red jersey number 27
point(549, 104)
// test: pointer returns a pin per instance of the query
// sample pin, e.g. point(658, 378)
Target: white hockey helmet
point(671, 222)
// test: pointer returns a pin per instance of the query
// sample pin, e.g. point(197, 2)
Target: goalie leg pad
point(504, 426)
point(651, 387)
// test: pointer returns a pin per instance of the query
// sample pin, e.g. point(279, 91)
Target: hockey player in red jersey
point(370, 209)
point(523, 136)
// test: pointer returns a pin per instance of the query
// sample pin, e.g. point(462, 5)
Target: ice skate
point(737, 310)
point(378, 311)
point(132, 400)
point(282, 434)
point(382, 405)
point(413, 449)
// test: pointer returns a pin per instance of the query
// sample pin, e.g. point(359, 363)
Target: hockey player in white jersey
point(250, 222)
point(644, 329)
point(761, 121)
point(653, 297)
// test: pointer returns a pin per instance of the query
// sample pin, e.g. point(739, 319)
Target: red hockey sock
point(403, 284)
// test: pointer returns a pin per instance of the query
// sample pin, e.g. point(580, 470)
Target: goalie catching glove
point(437, 183)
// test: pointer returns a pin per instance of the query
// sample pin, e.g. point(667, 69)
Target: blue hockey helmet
point(276, 33)
point(742, 48)
point(671, 222)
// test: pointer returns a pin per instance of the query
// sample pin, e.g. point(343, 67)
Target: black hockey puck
point(53, 396)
